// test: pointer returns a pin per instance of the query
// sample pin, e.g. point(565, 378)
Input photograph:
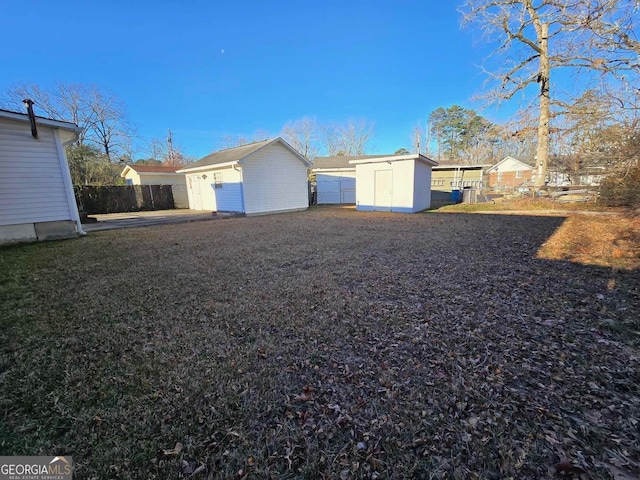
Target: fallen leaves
point(174, 451)
point(323, 344)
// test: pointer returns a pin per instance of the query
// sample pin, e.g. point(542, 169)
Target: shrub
point(622, 190)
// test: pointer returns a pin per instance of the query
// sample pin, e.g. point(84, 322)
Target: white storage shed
point(395, 183)
point(336, 179)
point(262, 177)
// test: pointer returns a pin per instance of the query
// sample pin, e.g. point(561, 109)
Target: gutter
point(235, 167)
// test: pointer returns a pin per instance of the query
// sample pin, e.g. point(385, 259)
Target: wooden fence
point(130, 198)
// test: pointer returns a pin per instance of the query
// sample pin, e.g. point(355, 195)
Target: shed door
point(383, 189)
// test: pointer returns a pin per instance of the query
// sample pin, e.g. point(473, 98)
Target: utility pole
point(170, 148)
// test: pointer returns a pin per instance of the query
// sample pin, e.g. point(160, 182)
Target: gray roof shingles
point(229, 155)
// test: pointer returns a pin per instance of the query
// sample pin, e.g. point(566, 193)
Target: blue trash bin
point(456, 196)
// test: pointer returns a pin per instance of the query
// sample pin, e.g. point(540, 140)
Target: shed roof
point(341, 161)
point(396, 158)
point(231, 156)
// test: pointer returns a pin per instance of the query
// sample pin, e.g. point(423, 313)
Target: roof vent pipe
point(32, 116)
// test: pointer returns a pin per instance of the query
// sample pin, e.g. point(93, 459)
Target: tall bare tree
point(418, 145)
point(100, 115)
point(349, 138)
point(536, 37)
point(303, 135)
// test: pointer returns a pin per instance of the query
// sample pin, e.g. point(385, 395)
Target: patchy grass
point(322, 344)
point(605, 241)
point(526, 204)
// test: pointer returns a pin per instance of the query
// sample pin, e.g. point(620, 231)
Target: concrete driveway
point(112, 221)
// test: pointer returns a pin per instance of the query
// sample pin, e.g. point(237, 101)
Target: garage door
point(348, 190)
point(335, 189)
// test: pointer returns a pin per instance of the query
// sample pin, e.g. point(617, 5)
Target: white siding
point(201, 191)
point(32, 186)
point(274, 180)
point(336, 187)
point(421, 187)
point(410, 187)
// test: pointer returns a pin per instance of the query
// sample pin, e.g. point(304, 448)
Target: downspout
point(241, 187)
point(66, 178)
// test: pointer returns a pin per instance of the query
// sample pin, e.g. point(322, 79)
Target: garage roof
point(236, 155)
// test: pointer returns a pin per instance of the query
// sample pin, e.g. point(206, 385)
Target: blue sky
point(214, 68)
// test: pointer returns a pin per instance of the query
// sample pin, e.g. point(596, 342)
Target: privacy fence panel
point(130, 198)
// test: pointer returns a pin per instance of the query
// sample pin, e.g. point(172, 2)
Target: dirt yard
point(322, 344)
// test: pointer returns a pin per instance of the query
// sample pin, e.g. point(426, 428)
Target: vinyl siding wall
point(445, 180)
point(32, 187)
point(274, 179)
point(203, 195)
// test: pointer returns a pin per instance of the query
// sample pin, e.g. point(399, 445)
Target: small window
point(129, 181)
point(518, 173)
point(217, 180)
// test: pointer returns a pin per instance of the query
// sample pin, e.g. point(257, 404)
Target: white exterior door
point(383, 190)
point(196, 192)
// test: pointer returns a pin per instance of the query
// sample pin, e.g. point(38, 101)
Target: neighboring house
point(393, 183)
point(336, 179)
point(447, 177)
point(36, 194)
point(262, 177)
point(510, 173)
point(159, 175)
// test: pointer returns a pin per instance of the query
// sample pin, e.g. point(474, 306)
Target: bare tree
point(356, 134)
point(107, 123)
point(303, 135)
point(100, 115)
point(418, 145)
point(537, 37)
point(331, 139)
point(349, 138)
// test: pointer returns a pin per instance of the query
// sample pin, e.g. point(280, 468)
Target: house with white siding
point(36, 194)
point(159, 175)
point(263, 177)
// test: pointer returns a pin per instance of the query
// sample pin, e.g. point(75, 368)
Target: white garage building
point(262, 177)
point(394, 183)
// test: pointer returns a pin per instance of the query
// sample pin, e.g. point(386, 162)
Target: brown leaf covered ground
point(320, 344)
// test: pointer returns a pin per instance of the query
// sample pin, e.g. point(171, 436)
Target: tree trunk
point(542, 153)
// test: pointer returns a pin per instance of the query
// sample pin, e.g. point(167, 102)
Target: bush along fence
point(130, 198)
